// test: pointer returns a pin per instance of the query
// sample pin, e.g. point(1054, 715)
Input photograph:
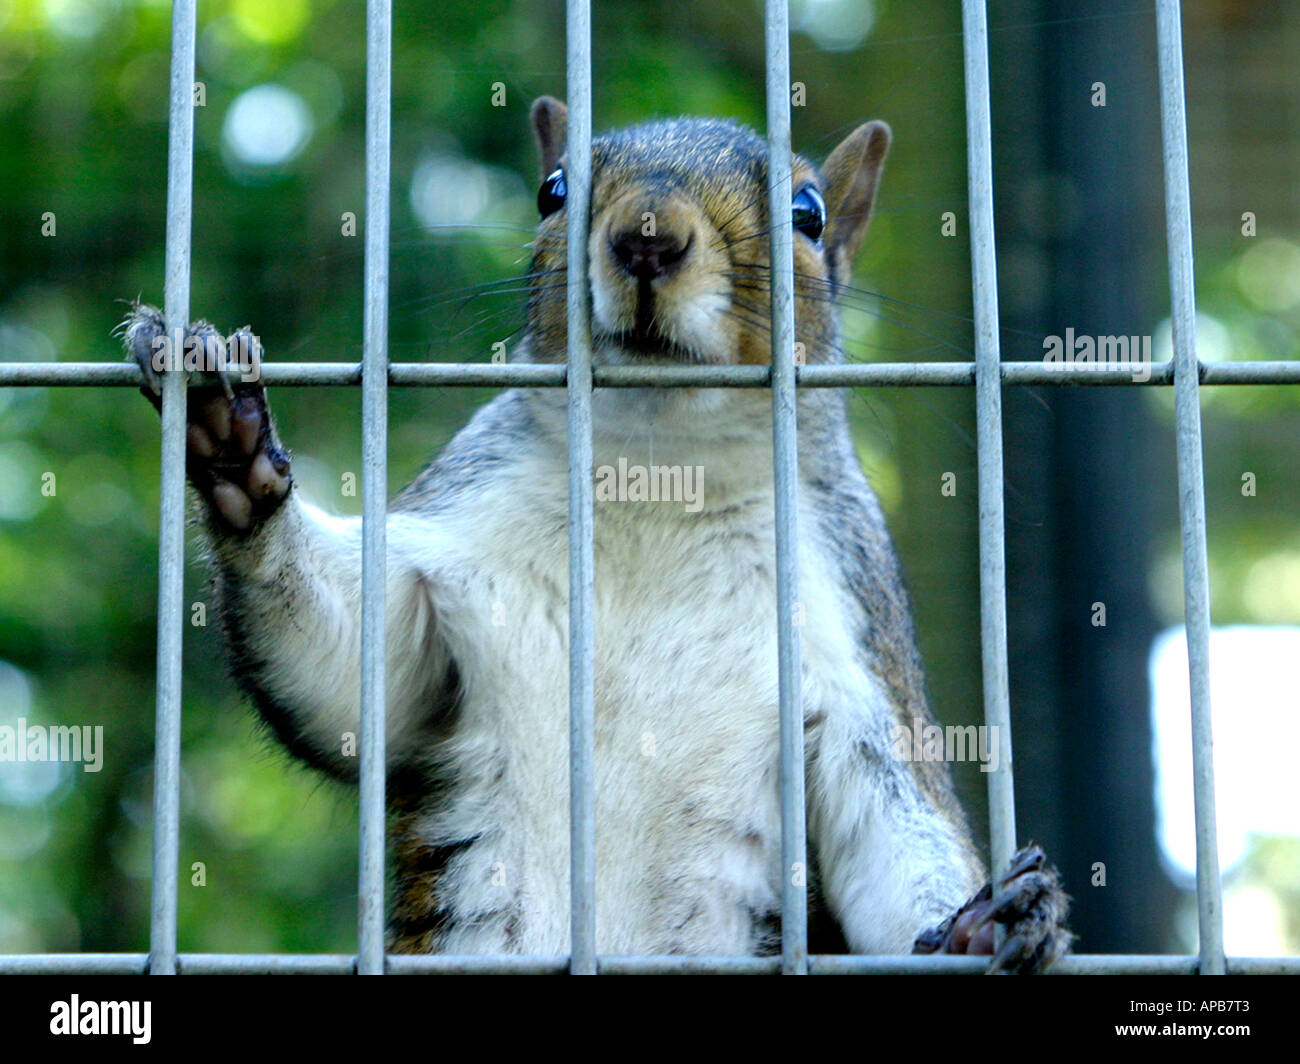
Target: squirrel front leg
point(288, 577)
point(891, 859)
point(898, 865)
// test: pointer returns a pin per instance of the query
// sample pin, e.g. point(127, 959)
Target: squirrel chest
point(688, 819)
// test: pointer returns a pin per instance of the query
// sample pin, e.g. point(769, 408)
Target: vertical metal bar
point(582, 699)
point(988, 413)
point(794, 892)
point(1191, 487)
point(171, 517)
point(374, 494)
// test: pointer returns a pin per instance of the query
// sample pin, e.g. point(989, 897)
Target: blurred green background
point(1091, 497)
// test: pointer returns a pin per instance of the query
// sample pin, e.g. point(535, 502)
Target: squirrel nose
point(649, 257)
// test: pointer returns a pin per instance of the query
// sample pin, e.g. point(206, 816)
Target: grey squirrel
point(688, 820)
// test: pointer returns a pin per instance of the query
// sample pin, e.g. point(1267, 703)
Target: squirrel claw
point(1029, 903)
point(138, 331)
point(1030, 859)
point(233, 456)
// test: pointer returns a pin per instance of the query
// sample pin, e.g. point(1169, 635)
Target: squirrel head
point(678, 256)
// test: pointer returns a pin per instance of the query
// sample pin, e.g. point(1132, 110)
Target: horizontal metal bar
point(943, 964)
point(405, 375)
point(1073, 964)
point(451, 964)
point(487, 375)
point(74, 964)
point(888, 375)
point(1246, 372)
point(903, 964)
point(683, 376)
point(460, 964)
point(689, 965)
point(1263, 965)
point(268, 964)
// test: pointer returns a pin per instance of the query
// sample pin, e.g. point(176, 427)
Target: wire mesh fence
point(987, 375)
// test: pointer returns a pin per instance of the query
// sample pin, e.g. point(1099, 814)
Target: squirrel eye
point(550, 197)
point(809, 212)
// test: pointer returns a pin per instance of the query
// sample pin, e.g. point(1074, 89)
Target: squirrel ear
point(550, 127)
point(851, 175)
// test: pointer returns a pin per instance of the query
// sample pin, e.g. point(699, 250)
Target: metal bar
point(1250, 372)
point(523, 375)
point(687, 965)
point(1191, 478)
point(374, 493)
point(902, 964)
point(268, 964)
point(794, 891)
point(75, 964)
point(988, 410)
point(683, 376)
point(941, 964)
point(520, 375)
point(457, 964)
point(1072, 964)
point(171, 518)
point(582, 682)
point(453, 964)
point(1263, 965)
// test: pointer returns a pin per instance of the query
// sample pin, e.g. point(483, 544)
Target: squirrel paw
point(233, 456)
point(1027, 901)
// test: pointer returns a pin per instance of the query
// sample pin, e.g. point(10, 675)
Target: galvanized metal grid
point(988, 374)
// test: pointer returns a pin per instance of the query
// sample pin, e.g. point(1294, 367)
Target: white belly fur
point(688, 821)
